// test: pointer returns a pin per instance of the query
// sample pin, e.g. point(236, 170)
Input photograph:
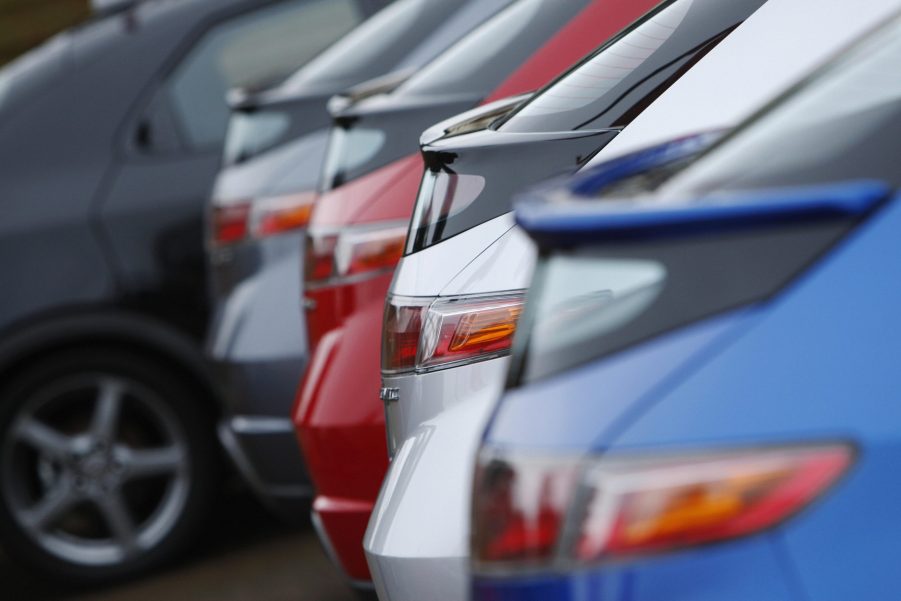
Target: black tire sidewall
point(202, 450)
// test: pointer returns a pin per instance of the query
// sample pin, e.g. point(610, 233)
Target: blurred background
point(247, 553)
point(26, 23)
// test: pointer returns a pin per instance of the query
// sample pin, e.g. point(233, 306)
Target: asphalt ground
point(247, 555)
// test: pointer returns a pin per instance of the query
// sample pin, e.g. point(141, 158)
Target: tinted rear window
point(484, 58)
point(844, 124)
point(381, 42)
point(613, 86)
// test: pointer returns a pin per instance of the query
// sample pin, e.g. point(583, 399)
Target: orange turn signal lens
point(465, 329)
point(486, 328)
point(282, 213)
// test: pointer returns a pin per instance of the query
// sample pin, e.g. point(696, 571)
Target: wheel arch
point(109, 327)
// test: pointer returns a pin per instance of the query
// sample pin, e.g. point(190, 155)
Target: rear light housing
point(260, 218)
point(558, 513)
point(425, 334)
point(354, 253)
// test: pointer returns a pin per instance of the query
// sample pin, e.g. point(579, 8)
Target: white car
point(458, 291)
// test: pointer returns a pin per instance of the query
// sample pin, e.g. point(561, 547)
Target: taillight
point(401, 331)
point(551, 512)
point(335, 257)
point(280, 214)
point(229, 223)
point(423, 334)
point(262, 217)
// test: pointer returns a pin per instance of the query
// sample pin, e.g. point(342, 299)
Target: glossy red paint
point(339, 418)
point(338, 415)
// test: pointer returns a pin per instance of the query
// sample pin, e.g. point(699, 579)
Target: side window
point(251, 51)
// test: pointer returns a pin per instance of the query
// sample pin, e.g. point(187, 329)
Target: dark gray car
point(110, 138)
point(261, 203)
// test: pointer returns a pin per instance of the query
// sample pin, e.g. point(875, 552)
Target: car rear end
point(359, 228)
point(259, 212)
point(459, 291)
point(684, 415)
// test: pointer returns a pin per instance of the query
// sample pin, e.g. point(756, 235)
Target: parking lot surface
point(247, 555)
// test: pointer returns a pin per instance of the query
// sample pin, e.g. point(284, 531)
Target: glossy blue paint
point(750, 570)
point(820, 361)
point(594, 398)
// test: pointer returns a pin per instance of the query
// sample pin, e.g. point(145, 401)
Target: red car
point(358, 231)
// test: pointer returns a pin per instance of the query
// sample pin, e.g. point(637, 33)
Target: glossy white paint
point(427, 272)
point(506, 264)
point(772, 49)
point(417, 543)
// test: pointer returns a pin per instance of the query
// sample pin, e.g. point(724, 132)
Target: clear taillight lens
point(425, 334)
point(340, 256)
point(558, 512)
point(232, 223)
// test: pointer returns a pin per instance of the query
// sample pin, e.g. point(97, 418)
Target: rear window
point(253, 133)
point(481, 60)
point(252, 51)
point(381, 40)
point(590, 302)
point(612, 87)
point(844, 124)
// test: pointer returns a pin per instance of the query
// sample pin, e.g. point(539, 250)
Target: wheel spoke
point(122, 527)
point(104, 423)
point(43, 438)
point(151, 462)
point(52, 505)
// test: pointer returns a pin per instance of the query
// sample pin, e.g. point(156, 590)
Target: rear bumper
point(257, 348)
point(265, 452)
point(341, 425)
point(428, 486)
point(338, 523)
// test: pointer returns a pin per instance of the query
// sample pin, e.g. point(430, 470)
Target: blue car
point(704, 401)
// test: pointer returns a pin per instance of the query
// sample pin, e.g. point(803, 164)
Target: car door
point(152, 213)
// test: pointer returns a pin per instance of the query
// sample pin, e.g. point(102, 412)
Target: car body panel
point(416, 275)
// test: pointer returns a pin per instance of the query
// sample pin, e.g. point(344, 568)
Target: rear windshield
point(253, 133)
point(483, 59)
point(623, 77)
point(375, 46)
point(844, 124)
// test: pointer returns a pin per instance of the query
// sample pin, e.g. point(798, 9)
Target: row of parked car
point(537, 299)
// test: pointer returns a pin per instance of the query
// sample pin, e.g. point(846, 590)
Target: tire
point(108, 465)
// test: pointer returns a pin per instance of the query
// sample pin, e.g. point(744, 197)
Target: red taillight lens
point(424, 334)
point(335, 257)
point(281, 214)
point(401, 331)
point(319, 258)
point(230, 223)
point(581, 511)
